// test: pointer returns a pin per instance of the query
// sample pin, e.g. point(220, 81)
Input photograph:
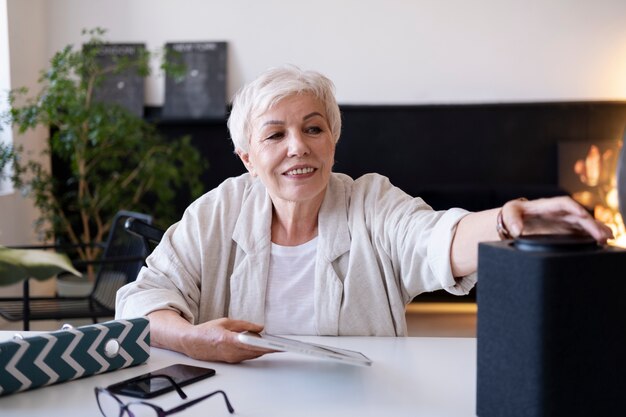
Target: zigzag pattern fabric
point(63, 355)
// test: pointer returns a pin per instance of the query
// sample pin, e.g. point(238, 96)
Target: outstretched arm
point(546, 215)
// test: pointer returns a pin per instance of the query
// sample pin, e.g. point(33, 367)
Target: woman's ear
point(245, 158)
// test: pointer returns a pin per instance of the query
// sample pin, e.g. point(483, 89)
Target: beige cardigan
point(377, 249)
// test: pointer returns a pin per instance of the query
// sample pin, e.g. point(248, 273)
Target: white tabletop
point(432, 377)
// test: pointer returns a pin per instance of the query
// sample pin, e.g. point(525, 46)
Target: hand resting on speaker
point(552, 215)
point(557, 215)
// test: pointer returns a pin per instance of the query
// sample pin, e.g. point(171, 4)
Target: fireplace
point(588, 172)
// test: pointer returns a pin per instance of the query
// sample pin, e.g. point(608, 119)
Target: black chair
point(150, 234)
point(122, 258)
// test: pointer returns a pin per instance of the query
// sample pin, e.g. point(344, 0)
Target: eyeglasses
point(111, 406)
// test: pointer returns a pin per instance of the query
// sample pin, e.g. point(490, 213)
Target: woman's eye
point(274, 136)
point(313, 130)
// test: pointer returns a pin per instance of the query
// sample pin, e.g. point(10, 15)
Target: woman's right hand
point(215, 340)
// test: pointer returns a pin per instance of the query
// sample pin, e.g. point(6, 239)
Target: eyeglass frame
point(123, 407)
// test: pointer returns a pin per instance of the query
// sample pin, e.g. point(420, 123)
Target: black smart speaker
point(551, 328)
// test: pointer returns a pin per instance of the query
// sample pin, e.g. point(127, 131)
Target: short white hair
point(275, 84)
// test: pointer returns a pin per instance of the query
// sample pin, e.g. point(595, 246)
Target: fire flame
point(598, 171)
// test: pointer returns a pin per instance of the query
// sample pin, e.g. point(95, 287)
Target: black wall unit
point(471, 156)
point(475, 156)
point(210, 137)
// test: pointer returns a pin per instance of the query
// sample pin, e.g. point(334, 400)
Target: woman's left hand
point(559, 215)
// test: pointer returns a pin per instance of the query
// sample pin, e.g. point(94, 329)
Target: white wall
point(6, 136)
point(387, 51)
point(26, 34)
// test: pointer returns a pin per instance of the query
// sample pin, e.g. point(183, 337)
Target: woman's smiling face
point(292, 149)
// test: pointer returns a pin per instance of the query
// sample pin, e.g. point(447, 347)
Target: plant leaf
point(19, 264)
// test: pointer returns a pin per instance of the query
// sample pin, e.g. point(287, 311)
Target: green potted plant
point(112, 158)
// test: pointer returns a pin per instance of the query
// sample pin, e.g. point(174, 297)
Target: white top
point(290, 288)
point(409, 377)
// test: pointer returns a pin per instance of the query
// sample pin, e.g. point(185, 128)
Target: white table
point(432, 377)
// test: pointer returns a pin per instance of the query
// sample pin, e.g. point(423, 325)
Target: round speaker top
point(555, 243)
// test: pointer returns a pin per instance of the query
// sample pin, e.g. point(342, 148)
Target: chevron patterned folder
point(50, 358)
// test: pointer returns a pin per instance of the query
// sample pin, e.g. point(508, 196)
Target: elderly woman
point(293, 248)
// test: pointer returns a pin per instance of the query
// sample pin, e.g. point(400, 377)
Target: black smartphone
point(148, 386)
